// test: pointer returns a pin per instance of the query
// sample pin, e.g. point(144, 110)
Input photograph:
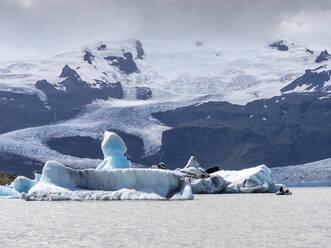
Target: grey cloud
point(48, 25)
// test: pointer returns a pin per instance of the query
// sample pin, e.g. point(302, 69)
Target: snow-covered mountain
point(59, 107)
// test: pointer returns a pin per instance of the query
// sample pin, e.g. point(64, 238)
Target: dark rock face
point(19, 165)
point(68, 72)
point(283, 130)
point(140, 50)
point(77, 146)
point(68, 97)
point(143, 93)
point(280, 45)
point(21, 111)
point(102, 47)
point(199, 43)
point(88, 147)
point(134, 144)
point(314, 79)
point(88, 56)
point(212, 169)
point(324, 56)
point(309, 51)
point(126, 63)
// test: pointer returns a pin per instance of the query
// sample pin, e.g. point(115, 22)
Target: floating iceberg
point(212, 185)
point(252, 180)
point(23, 184)
point(7, 192)
point(62, 183)
point(113, 149)
point(193, 169)
point(114, 179)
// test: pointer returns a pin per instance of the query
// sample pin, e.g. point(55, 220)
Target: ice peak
point(192, 163)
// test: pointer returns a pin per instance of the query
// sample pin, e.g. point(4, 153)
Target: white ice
point(62, 183)
point(251, 180)
point(113, 149)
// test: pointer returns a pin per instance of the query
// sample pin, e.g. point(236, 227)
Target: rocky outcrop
point(309, 51)
point(324, 56)
point(140, 50)
point(18, 110)
point(280, 45)
point(102, 47)
point(88, 147)
point(311, 80)
point(88, 57)
point(67, 97)
point(125, 64)
point(143, 93)
point(77, 146)
point(19, 165)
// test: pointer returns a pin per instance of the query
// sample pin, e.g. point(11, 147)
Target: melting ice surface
point(114, 179)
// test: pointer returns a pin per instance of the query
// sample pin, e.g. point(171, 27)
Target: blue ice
point(113, 148)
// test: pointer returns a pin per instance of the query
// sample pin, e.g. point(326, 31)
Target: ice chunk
point(192, 163)
point(193, 169)
point(62, 183)
point(7, 192)
point(24, 184)
point(252, 180)
point(113, 149)
point(212, 185)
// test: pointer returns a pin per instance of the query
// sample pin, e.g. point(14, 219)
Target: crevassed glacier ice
point(113, 148)
point(62, 183)
point(251, 180)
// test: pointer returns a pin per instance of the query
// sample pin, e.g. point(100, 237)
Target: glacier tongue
point(62, 183)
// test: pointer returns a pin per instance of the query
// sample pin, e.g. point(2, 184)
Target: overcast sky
point(38, 26)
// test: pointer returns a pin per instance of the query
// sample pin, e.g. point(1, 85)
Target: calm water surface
point(252, 220)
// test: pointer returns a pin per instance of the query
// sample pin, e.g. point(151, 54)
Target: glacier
point(314, 174)
point(178, 73)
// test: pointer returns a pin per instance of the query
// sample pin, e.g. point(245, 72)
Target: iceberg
point(113, 148)
point(251, 180)
point(114, 179)
point(212, 185)
point(58, 182)
point(193, 169)
point(7, 192)
point(23, 184)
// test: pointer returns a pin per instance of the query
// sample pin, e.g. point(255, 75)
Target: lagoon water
point(233, 220)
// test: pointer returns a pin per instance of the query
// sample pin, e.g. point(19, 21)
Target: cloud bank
point(50, 25)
